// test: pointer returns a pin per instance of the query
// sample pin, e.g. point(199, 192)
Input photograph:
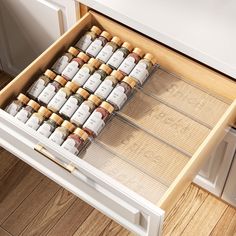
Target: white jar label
point(60, 64)
point(93, 82)
point(47, 94)
point(94, 47)
point(33, 122)
point(70, 70)
point(12, 109)
point(95, 122)
point(57, 137)
point(140, 72)
point(127, 65)
point(104, 89)
point(69, 107)
point(117, 96)
point(22, 115)
point(58, 100)
point(105, 53)
point(45, 130)
point(81, 76)
point(37, 87)
point(81, 115)
point(116, 59)
point(84, 42)
point(70, 145)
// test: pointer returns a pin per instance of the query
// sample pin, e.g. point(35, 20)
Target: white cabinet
point(213, 175)
point(28, 27)
point(229, 194)
point(132, 172)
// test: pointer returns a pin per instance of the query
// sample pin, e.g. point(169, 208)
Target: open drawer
point(143, 160)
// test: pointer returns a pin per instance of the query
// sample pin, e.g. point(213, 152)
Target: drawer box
point(139, 165)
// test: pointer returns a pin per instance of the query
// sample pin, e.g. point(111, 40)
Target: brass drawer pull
point(39, 148)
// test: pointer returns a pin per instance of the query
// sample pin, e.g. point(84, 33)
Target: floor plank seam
point(83, 222)
point(6, 231)
point(9, 168)
point(61, 216)
point(219, 220)
point(22, 201)
point(192, 215)
point(40, 210)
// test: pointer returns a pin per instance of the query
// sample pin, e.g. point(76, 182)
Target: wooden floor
point(31, 204)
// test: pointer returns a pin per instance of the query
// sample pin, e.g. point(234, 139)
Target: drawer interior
point(159, 140)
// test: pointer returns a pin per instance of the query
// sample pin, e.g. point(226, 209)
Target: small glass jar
point(50, 125)
point(86, 71)
point(38, 118)
point(88, 38)
point(96, 46)
point(25, 113)
point(108, 84)
point(17, 104)
point(73, 67)
point(75, 141)
point(73, 103)
point(39, 85)
point(98, 119)
point(121, 92)
point(143, 69)
point(61, 96)
point(119, 55)
point(85, 110)
point(96, 78)
point(51, 89)
point(109, 49)
point(60, 133)
point(64, 60)
point(130, 61)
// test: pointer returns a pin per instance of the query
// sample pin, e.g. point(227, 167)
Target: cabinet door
point(229, 194)
point(28, 27)
point(213, 175)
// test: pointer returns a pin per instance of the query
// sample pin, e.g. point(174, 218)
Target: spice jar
point(121, 92)
point(38, 118)
point(142, 70)
point(88, 38)
point(60, 133)
point(50, 125)
point(61, 96)
point(39, 85)
point(86, 71)
point(109, 49)
point(51, 89)
point(85, 110)
point(120, 54)
point(24, 114)
point(17, 104)
point(130, 61)
point(96, 46)
point(96, 78)
point(73, 103)
point(64, 60)
point(108, 84)
point(75, 141)
point(73, 67)
point(98, 119)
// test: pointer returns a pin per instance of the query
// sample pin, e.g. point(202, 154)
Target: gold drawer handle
point(39, 148)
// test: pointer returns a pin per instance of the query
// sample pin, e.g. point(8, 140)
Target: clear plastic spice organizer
point(153, 137)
